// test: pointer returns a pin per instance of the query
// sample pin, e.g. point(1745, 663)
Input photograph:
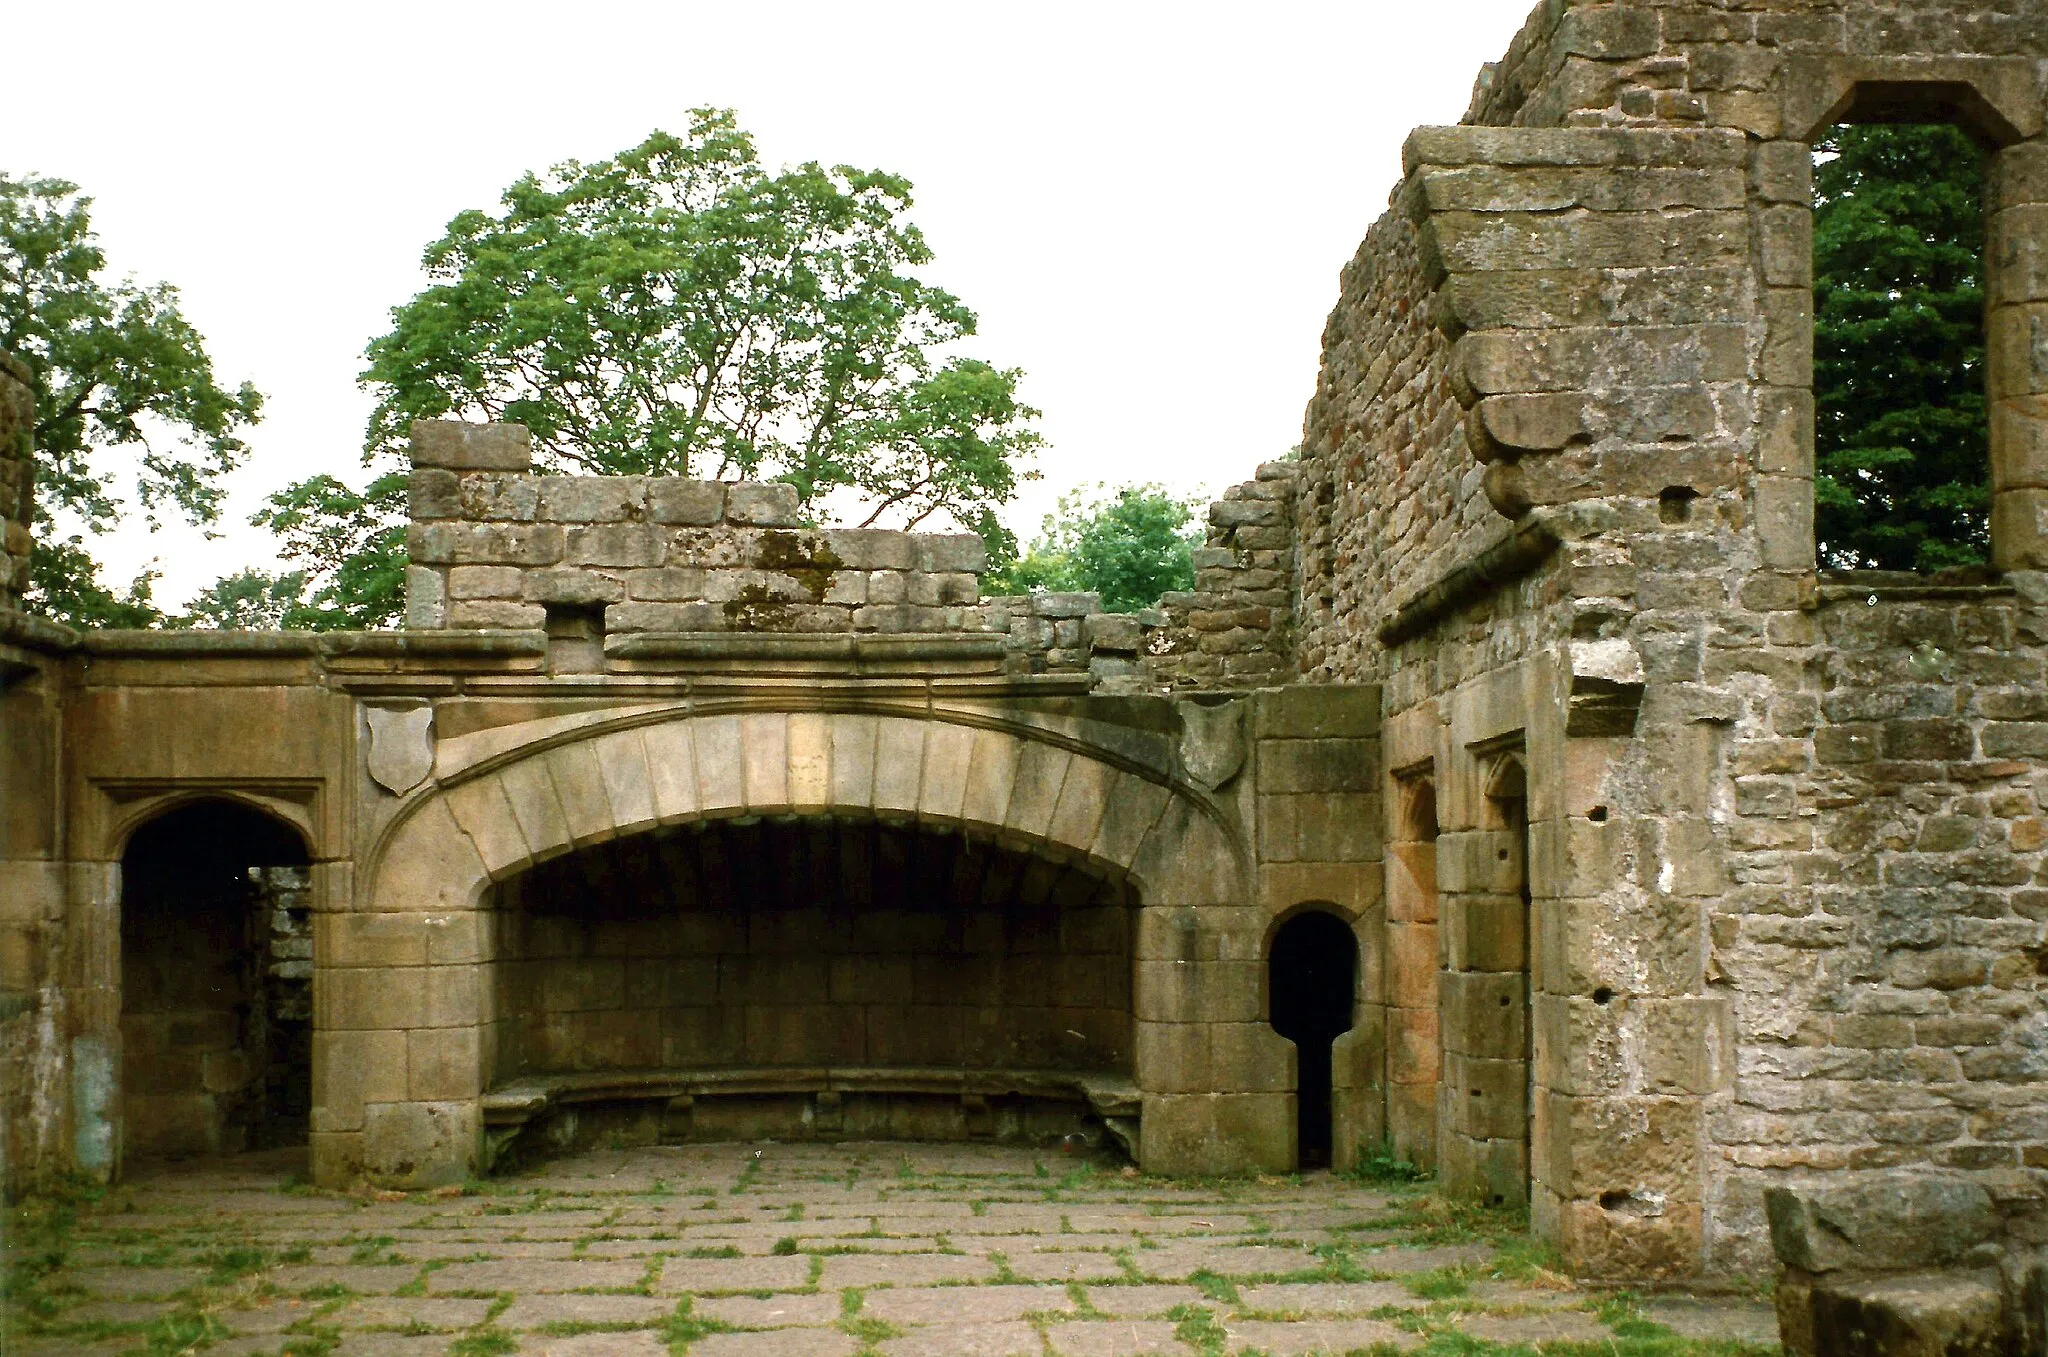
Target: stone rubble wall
point(1578, 64)
point(1232, 630)
point(490, 545)
point(1386, 491)
point(493, 546)
point(1235, 628)
point(17, 477)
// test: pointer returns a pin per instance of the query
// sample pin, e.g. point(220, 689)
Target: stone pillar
point(1213, 1075)
point(92, 1021)
point(459, 471)
point(1414, 1049)
point(2016, 274)
point(1318, 840)
point(401, 1005)
point(1483, 1000)
point(17, 477)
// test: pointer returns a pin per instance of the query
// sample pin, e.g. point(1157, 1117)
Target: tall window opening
point(1902, 445)
point(1313, 982)
point(216, 984)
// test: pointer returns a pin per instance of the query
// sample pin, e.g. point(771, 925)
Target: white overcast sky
point(1148, 204)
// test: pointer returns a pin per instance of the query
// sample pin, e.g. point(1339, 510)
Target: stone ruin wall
point(492, 546)
point(17, 478)
point(1790, 919)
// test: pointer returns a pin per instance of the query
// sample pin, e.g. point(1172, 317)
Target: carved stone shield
point(1211, 741)
point(401, 747)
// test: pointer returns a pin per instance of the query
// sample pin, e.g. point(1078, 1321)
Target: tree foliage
point(1130, 545)
point(350, 547)
point(1902, 471)
point(680, 310)
point(253, 600)
point(117, 370)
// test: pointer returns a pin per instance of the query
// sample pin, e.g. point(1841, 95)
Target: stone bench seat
point(510, 1106)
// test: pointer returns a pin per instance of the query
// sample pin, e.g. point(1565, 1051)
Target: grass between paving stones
point(1084, 1307)
point(1198, 1328)
point(864, 1329)
point(491, 1342)
point(1442, 1283)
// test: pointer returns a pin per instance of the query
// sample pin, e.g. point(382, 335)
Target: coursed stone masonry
point(1711, 873)
point(1556, 497)
point(494, 546)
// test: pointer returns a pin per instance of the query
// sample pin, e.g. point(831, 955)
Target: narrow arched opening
point(1312, 981)
point(216, 984)
point(811, 978)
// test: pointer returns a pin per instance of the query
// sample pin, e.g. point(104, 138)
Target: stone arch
point(295, 818)
point(1316, 1009)
point(213, 1013)
point(1028, 790)
point(402, 1048)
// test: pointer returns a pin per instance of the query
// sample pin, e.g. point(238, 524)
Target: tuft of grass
point(232, 1264)
point(491, 1342)
point(1215, 1286)
point(683, 1327)
point(785, 1247)
point(1529, 1259)
point(725, 1250)
point(1439, 1283)
point(1198, 1329)
point(1381, 1167)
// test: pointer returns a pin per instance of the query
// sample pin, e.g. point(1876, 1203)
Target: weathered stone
point(761, 505)
point(1920, 1316)
point(1901, 1221)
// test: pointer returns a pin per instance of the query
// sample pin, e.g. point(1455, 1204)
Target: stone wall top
point(491, 544)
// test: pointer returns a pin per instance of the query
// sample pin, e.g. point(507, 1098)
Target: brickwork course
point(1678, 870)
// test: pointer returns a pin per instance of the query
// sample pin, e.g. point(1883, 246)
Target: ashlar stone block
point(429, 864)
point(420, 1144)
point(948, 760)
point(671, 769)
point(580, 791)
point(460, 446)
point(810, 762)
point(530, 791)
point(721, 765)
point(764, 739)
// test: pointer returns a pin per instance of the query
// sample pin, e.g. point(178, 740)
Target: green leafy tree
point(254, 600)
point(119, 374)
point(680, 310)
point(351, 541)
point(1901, 442)
point(1129, 545)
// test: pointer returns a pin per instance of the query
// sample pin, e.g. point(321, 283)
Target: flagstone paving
point(859, 1250)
